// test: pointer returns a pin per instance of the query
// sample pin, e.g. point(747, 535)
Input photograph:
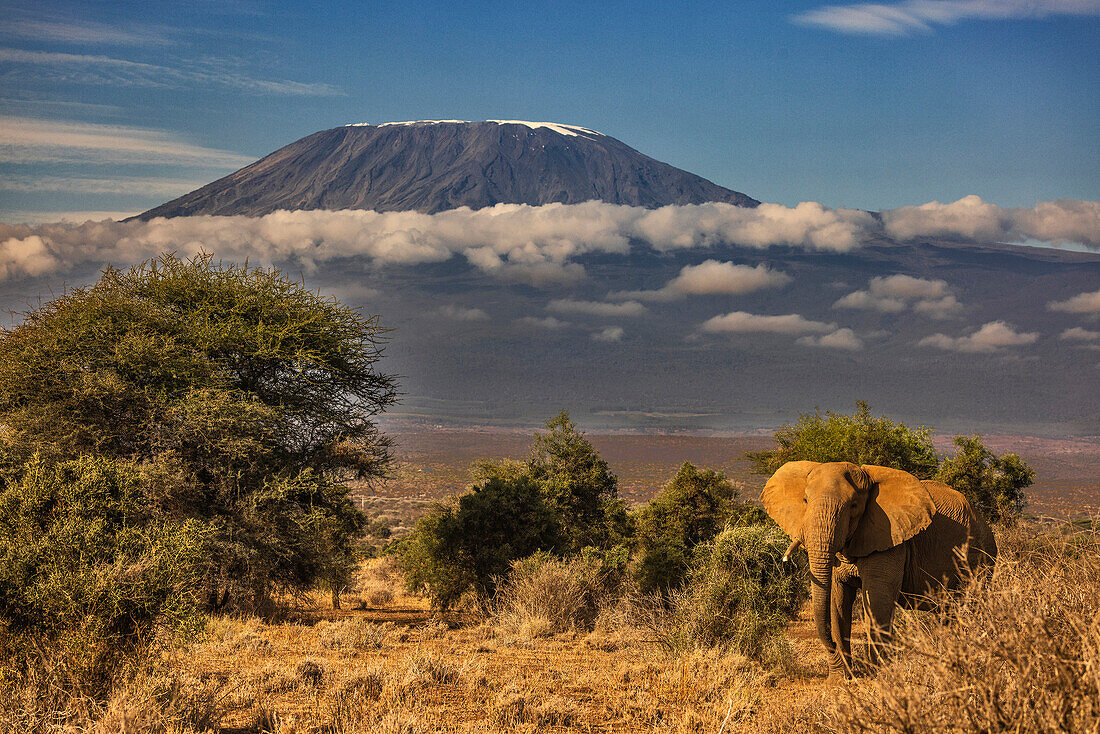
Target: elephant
point(880, 531)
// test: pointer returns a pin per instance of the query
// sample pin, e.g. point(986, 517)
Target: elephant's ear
point(898, 507)
point(784, 495)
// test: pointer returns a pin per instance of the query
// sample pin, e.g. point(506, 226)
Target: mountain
point(434, 165)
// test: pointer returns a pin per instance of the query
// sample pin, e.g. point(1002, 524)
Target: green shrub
point(470, 544)
point(89, 578)
point(740, 594)
point(691, 510)
point(859, 438)
point(993, 484)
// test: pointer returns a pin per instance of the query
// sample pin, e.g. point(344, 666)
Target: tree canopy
point(859, 438)
point(993, 484)
point(578, 484)
point(692, 509)
point(251, 395)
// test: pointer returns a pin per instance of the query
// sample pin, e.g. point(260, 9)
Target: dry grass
point(546, 596)
point(1021, 653)
point(1013, 660)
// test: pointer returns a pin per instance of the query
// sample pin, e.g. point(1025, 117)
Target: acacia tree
point(578, 484)
point(993, 484)
point(859, 438)
point(692, 509)
point(252, 396)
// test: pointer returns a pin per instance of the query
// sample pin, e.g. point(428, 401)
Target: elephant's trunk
point(820, 538)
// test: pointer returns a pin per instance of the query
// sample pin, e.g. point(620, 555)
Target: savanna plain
point(1019, 650)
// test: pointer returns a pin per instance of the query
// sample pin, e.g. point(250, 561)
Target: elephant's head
point(841, 507)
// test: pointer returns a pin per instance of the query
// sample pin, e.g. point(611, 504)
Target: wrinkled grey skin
point(878, 532)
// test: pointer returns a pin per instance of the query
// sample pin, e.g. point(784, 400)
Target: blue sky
point(116, 107)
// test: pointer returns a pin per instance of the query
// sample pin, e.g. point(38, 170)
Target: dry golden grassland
point(1020, 652)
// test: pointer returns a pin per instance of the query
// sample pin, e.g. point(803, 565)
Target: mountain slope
point(431, 166)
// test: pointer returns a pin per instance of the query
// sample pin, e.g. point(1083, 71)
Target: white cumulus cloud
point(1088, 302)
point(896, 293)
point(713, 277)
point(922, 16)
point(744, 322)
point(1079, 334)
point(610, 334)
point(989, 338)
point(840, 339)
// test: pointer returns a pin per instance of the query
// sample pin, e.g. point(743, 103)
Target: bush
point(740, 594)
point(89, 578)
point(470, 544)
point(859, 438)
point(254, 395)
point(691, 510)
point(564, 498)
point(993, 484)
point(1021, 653)
point(555, 595)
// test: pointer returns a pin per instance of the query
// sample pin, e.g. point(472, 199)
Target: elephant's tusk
point(794, 544)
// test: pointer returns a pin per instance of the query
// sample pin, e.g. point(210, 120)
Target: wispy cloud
point(137, 186)
point(100, 69)
point(83, 32)
point(31, 140)
point(1088, 302)
point(64, 219)
point(896, 293)
point(462, 313)
point(712, 277)
point(548, 322)
point(991, 337)
point(597, 308)
point(922, 16)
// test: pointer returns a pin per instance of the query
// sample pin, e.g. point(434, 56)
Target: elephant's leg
point(882, 575)
point(843, 597)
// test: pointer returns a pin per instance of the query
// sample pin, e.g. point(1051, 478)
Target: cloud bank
point(921, 16)
point(532, 244)
point(972, 220)
point(896, 293)
point(989, 338)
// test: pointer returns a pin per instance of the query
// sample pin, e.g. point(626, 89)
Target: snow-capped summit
point(558, 127)
point(434, 165)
